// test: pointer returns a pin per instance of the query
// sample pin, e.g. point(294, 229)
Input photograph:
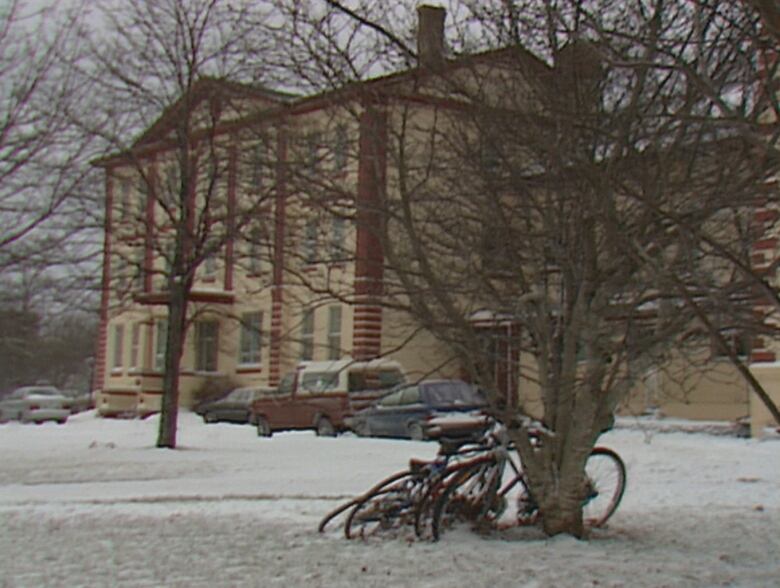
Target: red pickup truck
point(320, 394)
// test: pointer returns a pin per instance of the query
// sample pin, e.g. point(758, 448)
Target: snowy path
point(94, 504)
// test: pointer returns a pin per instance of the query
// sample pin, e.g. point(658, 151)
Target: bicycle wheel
point(469, 496)
point(347, 505)
point(431, 488)
point(606, 483)
point(386, 509)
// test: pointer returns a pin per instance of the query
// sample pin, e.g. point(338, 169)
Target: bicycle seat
point(471, 428)
point(415, 464)
point(451, 445)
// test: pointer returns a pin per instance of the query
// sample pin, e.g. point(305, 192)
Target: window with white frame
point(340, 147)
point(255, 251)
point(312, 146)
point(206, 346)
point(210, 259)
point(261, 168)
point(160, 343)
point(334, 332)
point(119, 337)
point(125, 195)
point(307, 335)
point(135, 346)
point(251, 338)
point(143, 195)
point(310, 241)
point(737, 342)
point(171, 186)
point(336, 240)
point(137, 267)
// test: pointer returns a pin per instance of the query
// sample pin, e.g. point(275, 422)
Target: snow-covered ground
point(93, 503)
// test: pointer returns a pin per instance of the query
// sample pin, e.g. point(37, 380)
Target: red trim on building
point(99, 367)
point(162, 298)
point(149, 236)
point(369, 256)
point(762, 357)
point(231, 212)
point(280, 227)
point(766, 216)
point(768, 243)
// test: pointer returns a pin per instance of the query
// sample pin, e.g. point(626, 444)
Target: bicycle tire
point(386, 508)
point(434, 485)
point(606, 475)
point(468, 496)
point(351, 503)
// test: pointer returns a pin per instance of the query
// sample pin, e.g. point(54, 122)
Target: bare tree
point(583, 205)
point(172, 209)
point(44, 182)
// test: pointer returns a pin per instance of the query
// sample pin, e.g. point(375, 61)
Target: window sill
point(249, 368)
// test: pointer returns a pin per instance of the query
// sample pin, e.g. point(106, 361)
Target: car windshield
point(449, 393)
point(374, 379)
point(319, 381)
point(42, 392)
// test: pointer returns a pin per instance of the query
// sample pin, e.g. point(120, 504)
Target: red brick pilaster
point(231, 212)
point(277, 292)
point(763, 259)
point(369, 256)
point(99, 367)
point(149, 235)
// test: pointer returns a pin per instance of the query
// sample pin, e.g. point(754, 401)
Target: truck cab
point(319, 395)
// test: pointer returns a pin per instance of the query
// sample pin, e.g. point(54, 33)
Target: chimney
point(430, 35)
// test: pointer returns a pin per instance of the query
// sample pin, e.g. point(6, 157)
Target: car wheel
point(263, 428)
point(62, 421)
point(363, 429)
point(325, 428)
point(416, 432)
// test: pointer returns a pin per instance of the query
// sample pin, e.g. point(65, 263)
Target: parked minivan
point(319, 395)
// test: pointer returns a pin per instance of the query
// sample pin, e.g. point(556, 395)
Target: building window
point(210, 260)
point(206, 350)
point(256, 251)
point(261, 168)
point(161, 341)
point(171, 187)
point(143, 195)
point(336, 241)
point(135, 345)
point(340, 146)
point(307, 335)
point(126, 194)
point(137, 268)
point(251, 337)
point(119, 336)
point(310, 241)
point(738, 342)
point(334, 332)
point(312, 151)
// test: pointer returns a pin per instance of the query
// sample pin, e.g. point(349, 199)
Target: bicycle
point(479, 493)
point(466, 482)
point(397, 500)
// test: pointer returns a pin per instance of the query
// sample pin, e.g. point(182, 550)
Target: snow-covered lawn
point(93, 503)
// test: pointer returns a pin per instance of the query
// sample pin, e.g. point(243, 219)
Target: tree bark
point(177, 318)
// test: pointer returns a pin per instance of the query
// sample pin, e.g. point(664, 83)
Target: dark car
point(234, 408)
point(404, 412)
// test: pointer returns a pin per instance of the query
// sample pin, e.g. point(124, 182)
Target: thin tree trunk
point(177, 316)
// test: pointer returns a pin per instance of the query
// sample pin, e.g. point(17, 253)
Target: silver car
point(34, 404)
